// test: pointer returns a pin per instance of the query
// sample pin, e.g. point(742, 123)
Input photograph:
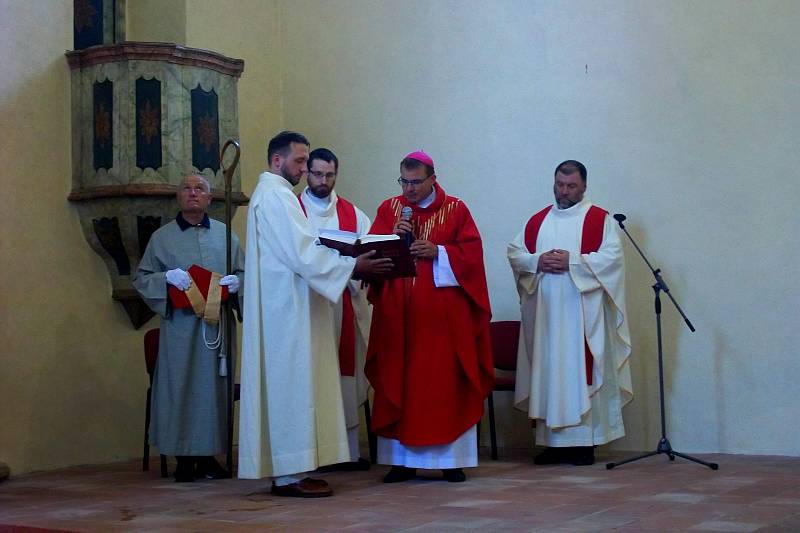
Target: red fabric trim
point(346, 213)
point(593, 224)
point(591, 239)
point(532, 229)
point(429, 357)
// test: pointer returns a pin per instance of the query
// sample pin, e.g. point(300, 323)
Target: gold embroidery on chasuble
point(437, 223)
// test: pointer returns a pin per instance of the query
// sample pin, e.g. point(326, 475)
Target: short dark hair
point(570, 166)
point(324, 154)
point(281, 143)
point(411, 164)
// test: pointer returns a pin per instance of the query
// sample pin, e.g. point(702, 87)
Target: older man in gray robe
point(189, 415)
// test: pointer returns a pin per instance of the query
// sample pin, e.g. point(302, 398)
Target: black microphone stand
point(663, 445)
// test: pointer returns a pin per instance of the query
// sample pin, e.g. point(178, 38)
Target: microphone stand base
point(665, 448)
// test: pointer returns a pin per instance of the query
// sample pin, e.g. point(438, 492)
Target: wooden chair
point(505, 342)
point(150, 358)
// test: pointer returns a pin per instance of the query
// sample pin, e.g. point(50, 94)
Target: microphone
point(405, 214)
point(619, 217)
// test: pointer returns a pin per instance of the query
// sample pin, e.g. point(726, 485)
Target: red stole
point(429, 357)
point(346, 212)
point(591, 239)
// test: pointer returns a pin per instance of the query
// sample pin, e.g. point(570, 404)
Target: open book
point(391, 246)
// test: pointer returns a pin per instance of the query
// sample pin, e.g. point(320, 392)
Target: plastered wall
point(686, 115)
point(72, 378)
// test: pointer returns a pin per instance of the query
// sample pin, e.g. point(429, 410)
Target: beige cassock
point(291, 416)
point(558, 311)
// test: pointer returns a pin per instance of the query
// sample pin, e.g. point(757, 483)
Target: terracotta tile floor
point(748, 493)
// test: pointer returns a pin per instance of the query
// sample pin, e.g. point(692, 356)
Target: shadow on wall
point(87, 402)
point(644, 421)
point(721, 351)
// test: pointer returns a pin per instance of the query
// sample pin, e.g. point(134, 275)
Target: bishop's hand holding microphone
point(404, 226)
point(420, 249)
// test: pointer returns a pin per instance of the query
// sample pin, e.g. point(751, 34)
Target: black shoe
point(551, 456)
point(352, 466)
point(454, 475)
point(361, 465)
point(400, 473)
point(184, 472)
point(209, 468)
point(582, 456)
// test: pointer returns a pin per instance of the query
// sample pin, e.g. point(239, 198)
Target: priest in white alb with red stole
point(325, 209)
point(429, 357)
point(573, 374)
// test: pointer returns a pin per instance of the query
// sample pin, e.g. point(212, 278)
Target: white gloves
point(232, 282)
point(179, 278)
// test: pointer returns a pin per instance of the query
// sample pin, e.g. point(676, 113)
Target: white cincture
point(217, 343)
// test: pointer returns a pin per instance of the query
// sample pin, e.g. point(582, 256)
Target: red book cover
point(201, 278)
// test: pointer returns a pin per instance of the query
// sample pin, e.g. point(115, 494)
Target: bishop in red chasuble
point(429, 356)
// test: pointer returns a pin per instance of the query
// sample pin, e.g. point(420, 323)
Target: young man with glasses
point(327, 210)
point(429, 357)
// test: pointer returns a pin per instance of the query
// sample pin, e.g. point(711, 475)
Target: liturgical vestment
point(429, 357)
point(291, 417)
point(573, 371)
point(352, 313)
point(189, 415)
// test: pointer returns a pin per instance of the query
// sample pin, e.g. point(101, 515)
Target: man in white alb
point(291, 415)
point(573, 375)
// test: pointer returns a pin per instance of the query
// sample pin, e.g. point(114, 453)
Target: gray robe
point(189, 415)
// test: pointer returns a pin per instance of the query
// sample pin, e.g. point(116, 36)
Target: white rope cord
point(216, 343)
point(222, 370)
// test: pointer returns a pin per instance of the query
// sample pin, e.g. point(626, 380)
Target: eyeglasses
point(319, 175)
point(413, 183)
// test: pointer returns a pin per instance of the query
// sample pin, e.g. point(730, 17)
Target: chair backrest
point(505, 341)
point(151, 350)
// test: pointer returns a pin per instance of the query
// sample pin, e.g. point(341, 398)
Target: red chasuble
point(591, 239)
point(429, 357)
point(346, 213)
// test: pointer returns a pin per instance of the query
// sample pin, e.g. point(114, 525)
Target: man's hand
point(366, 267)
point(554, 262)
point(232, 282)
point(401, 227)
point(179, 278)
point(423, 249)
